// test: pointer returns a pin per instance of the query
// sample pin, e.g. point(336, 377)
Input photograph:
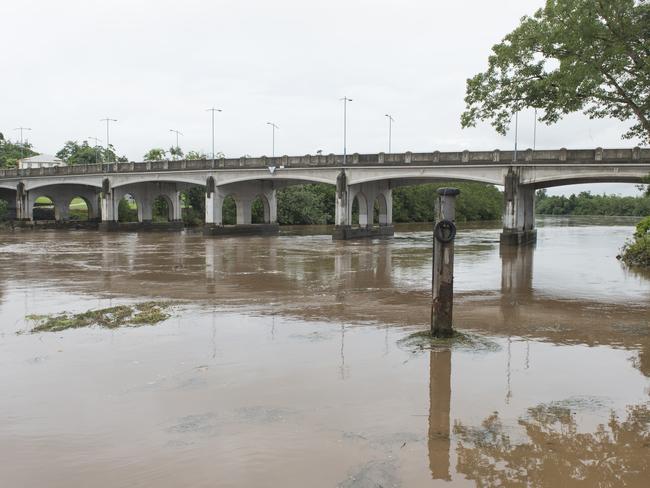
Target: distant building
point(40, 161)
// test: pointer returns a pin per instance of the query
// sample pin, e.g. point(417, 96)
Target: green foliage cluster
point(4, 210)
point(155, 154)
point(74, 153)
point(160, 210)
point(637, 252)
point(127, 211)
point(571, 55)
point(476, 201)
point(145, 313)
point(586, 203)
point(11, 152)
point(307, 205)
point(314, 204)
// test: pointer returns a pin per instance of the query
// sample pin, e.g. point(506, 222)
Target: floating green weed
point(423, 340)
point(146, 313)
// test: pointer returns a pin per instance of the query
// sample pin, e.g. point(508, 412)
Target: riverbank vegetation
point(587, 203)
point(314, 204)
point(637, 251)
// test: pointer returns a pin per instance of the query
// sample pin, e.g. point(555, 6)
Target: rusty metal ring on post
point(444, 231)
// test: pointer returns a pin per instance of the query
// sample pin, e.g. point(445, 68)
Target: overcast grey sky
point(158, 65)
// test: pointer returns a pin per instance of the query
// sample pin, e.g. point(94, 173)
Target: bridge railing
point(436, 158)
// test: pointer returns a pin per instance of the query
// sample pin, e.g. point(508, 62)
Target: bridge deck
point(436, 158)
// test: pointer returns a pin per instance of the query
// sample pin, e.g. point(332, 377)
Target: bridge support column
point(22, 195)
point(367, 195)
point(244, 194)
point(518, 212)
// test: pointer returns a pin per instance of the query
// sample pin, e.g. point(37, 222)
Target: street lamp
point(22, 148)
point(390, 131)
point(535, 130)
point(108, 145)
point(177, 132)
point(273, 127)
point(345, 128)
point(213, 110)
point(97, 141)
point(516, 134)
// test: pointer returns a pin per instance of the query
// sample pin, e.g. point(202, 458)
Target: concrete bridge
point(366, 178)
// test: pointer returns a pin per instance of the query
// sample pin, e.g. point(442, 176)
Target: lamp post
point(535, 130)
point(345, 128)
point(390, 131)
point(273, 127)
point(108, 145)
point(177, 132)
point(213, 110)
point(516, 134)
point(22, 148)
point(97, 141)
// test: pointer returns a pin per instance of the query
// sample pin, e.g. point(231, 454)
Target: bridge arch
point(359, 209)
point(565, 180)
point(129, 209)
point(44, 208)
point(8, 195)
point(162, 209)
point(283, 179)
point(79, 207)
point(230, 209)
point(426, 175)
point(265, 217)
point(380, 210)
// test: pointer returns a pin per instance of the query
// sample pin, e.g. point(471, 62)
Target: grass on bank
point(146, 313)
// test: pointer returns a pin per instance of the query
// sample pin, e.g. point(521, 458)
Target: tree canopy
point(571, 55)
point(74, 153)
point(155, 154)
point(11, 152)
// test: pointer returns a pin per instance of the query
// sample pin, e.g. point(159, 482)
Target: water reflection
point(556, 452)
point(439, 439)
point(551, 444)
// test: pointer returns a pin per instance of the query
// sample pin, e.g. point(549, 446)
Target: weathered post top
point(444, 233)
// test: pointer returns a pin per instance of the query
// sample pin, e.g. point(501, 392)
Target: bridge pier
point(366, 195)
point(244, 194)
point(518, 211)
point(145, 195)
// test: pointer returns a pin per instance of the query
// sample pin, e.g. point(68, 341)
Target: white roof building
point(40, 161)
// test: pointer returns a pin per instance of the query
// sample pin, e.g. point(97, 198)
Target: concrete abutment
point(518, 211)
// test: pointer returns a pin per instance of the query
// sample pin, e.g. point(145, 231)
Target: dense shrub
point(637, 252)
point(585, 203)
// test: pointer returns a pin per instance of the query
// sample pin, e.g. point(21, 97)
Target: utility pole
point(177, 132)
point(108, 144)
point(22, 148)
point(516, 134)
point(273, 127)
point(345, 128)
point(213, 110)
point(97, 141)
point(390, 132)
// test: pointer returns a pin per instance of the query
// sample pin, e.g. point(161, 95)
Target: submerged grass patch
point(424, 341)
point(145, 313)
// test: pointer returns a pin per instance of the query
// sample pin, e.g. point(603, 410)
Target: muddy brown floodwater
point(283, 367)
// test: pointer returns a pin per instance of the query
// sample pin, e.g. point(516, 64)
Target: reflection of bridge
point(367, 179)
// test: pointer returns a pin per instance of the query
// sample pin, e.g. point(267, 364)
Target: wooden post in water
point(444, 232)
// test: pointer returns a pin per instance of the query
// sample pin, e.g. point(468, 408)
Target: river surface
point(286, 365)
